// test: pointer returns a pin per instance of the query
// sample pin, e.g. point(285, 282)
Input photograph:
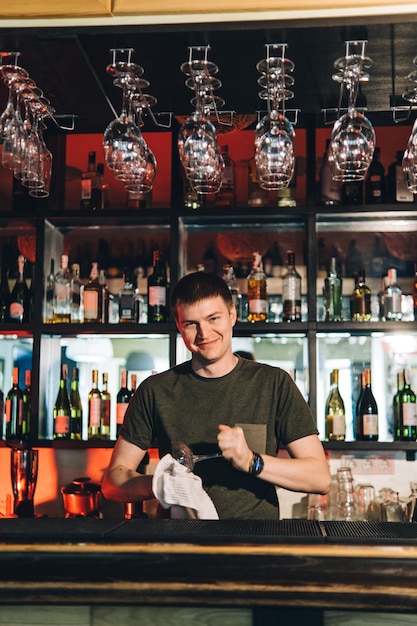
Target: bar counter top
point(330, 565)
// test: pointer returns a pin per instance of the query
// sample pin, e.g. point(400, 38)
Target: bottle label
point(105, 413)
point(338, 424)
point(121, 409)
point(86, 187)
point(94, 412)
point(258, 306)
point(370, 424)
point(90, 305)
point(16, 311)
point(409, 414)
point(62, 424)
point(157, 296)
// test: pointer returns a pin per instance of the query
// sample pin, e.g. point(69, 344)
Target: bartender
point(218, 401)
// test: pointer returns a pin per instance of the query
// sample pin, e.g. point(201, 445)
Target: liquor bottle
point(367, 412)
point(14, 409)
point(62, 410)
point(87, 182)
point(157, 291)
point(330, 194)
point(93, 297)
point(397, 186)
point(257, 196)
point(391, 297)
point(127, 298)
point(19, 297)
point(133, 383)
point(77, 290)
point(4, 294)
point(291, 291)
point(396, 406)
point(257, 291)
point(106, 298)
point(94, 408)
point(414, 290)
point(76, 407)
point(226, 194)
point(360, 300)
point(332, 294)
point(105, 408)
point(375, 180)
point(408, 410)
point(335, 411)
point(122, 400)
point(99, 190)
point(230, 279)
point(48, 309)
point(63, 292)
point(27, 406)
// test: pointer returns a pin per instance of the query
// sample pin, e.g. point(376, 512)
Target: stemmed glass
point(409, 162)
point(274, 133)
point(197, 139)
point(185, 456)
point(352, 142)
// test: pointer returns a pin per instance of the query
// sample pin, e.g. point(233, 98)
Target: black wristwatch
point(256, 465)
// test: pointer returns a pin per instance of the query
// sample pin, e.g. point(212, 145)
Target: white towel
point(176, 487)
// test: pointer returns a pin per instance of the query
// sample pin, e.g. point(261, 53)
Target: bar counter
point(290, 563)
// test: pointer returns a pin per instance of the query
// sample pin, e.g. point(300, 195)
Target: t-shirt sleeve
point(294, 418)
point(138, 425)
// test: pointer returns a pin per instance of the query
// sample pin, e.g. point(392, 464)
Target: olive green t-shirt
point(179, 405)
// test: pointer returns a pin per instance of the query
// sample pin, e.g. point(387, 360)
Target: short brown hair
point(199, 286)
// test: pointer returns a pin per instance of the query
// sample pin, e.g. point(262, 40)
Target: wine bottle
point(122, 400)
point(93, 297)
point(105, 408)
point(19, 297)
point(157, 291)
point(396, 405)
point(94, 408)
point(367, 417)
point(332, 294)
point(127, 298)
point(257, 291)
point(414, 290)
point(139, 304)
point(360, 300)
point(63, 285)
point(77, 289)
point(76, 407)
point(62, 411)
point(4, 294)
point(391, 297)
point(335, 411)
point(14, 408)
point(133, 383)
point(27, 406)
point(397, 186)
point(375, 180)
point(408, 410)
point(291, 291)
point(87, 182)
point(230, 279)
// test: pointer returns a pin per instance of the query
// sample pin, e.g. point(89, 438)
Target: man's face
point(206, 328)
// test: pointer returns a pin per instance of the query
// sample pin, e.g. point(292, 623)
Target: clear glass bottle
point(93, 297)
point(106, 297)
point(63, 285)
point(291, 291)
point(335, 411)
point(48, 312)
point(391, 297)
point(62, 411)
point(408, 410)
point(19, 297)
point(122, 400)
point(257, 291)
point(367, 412)
point(332, 294)
point(226, 194)
point(14, 409)
point(94, 408)
point(360, 300)
point(140, 308)
point(77, 289)
point(375, 180)
point(127, 298)
point(76, 407)
point(105, 415)
point(230, 279)
point(157, 291)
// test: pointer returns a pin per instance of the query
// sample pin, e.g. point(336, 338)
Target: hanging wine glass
point(353, 140)
point(274, 134)
point(409, 161)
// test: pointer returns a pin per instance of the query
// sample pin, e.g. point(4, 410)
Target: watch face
point(258, 465)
